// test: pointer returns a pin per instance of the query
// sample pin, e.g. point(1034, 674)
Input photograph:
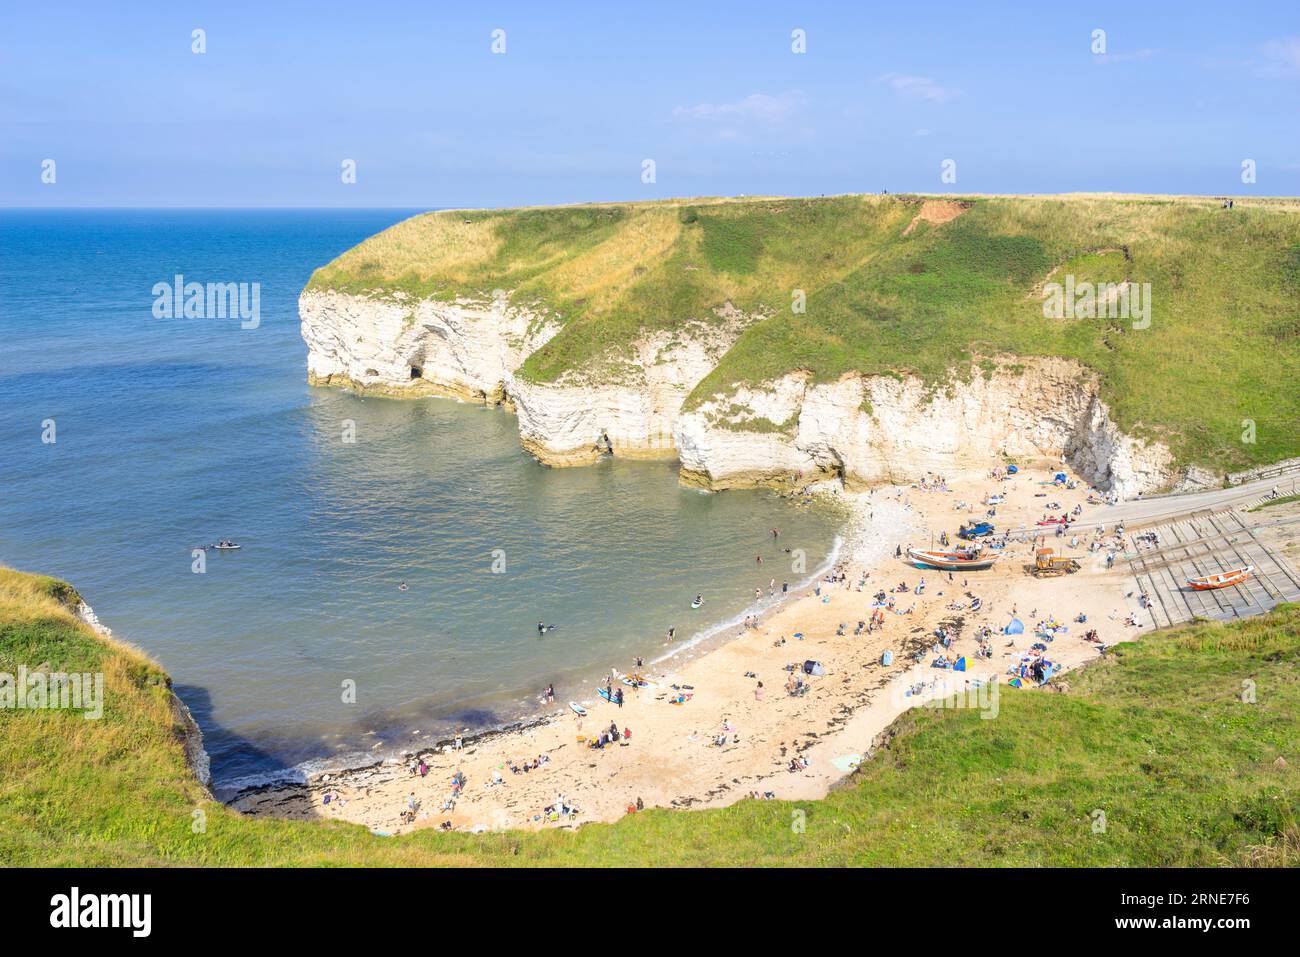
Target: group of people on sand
point(610, 735)
point(523, 767)
point(931, 483)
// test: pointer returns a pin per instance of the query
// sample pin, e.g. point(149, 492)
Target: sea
point(396, 555)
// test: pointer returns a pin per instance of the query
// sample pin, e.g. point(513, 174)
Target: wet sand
point(672, 758)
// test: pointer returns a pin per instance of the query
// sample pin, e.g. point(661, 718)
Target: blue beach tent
point(1014, 627)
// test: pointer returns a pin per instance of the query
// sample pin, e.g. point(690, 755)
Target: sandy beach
point(730, 739)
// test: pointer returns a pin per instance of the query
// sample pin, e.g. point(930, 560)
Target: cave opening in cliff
point(417, 372)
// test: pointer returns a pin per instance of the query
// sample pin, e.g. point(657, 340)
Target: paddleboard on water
point(697, 603)
point(578, 709)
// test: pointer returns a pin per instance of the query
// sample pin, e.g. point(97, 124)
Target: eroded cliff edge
point(863, 429)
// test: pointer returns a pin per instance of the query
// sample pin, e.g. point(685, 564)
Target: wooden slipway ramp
point(1206, 543)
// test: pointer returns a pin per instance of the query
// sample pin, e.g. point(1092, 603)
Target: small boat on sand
point(963, 559)
point(1234, 576)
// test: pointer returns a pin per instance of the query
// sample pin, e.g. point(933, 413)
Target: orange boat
point(961, 560)
point(1226, 579)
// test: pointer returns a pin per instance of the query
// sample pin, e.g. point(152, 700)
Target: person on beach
point(758, 692)
point(618, 697)
point(550, 694)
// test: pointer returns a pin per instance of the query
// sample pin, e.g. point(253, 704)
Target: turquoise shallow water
point(173, 433)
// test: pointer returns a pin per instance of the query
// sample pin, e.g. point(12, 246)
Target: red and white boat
point(963, 559)
point(1234, 576)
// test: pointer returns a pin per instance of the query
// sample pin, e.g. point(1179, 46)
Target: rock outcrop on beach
point(863, 429)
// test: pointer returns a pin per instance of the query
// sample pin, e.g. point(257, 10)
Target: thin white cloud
point(757, 107)
point(918, 88)
point(1145, 53)
point(1282, 57)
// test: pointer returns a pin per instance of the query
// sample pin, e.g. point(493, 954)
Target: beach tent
point(1059, 477)
point(816, 668)
point(1014, 627)
point(960, 665)
point(1013, 683)
point(1012, 470)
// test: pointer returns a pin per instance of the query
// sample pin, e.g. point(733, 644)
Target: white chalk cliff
point(864, 429)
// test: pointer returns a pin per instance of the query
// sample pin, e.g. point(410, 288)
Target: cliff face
point(399, 346)
point(881, 429)
point(864, 429)
point(563, 423)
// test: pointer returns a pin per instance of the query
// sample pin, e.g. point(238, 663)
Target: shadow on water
point(283, 760)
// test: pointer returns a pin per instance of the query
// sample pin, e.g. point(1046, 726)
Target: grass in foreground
point(889, 293)
point(1156, 737)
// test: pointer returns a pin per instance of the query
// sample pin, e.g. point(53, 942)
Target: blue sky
point(712, 92)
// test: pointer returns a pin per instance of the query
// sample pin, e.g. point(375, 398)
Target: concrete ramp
point(1206, 543)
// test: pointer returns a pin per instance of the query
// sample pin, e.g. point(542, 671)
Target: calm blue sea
point(171, 433)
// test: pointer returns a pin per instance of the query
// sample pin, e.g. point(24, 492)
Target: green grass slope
point(1156, 737)
point(888, 292)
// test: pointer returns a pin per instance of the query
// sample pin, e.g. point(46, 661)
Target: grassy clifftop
point(899, 284)
point(1157, 737)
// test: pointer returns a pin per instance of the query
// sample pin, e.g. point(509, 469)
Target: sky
point(1173, 97)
